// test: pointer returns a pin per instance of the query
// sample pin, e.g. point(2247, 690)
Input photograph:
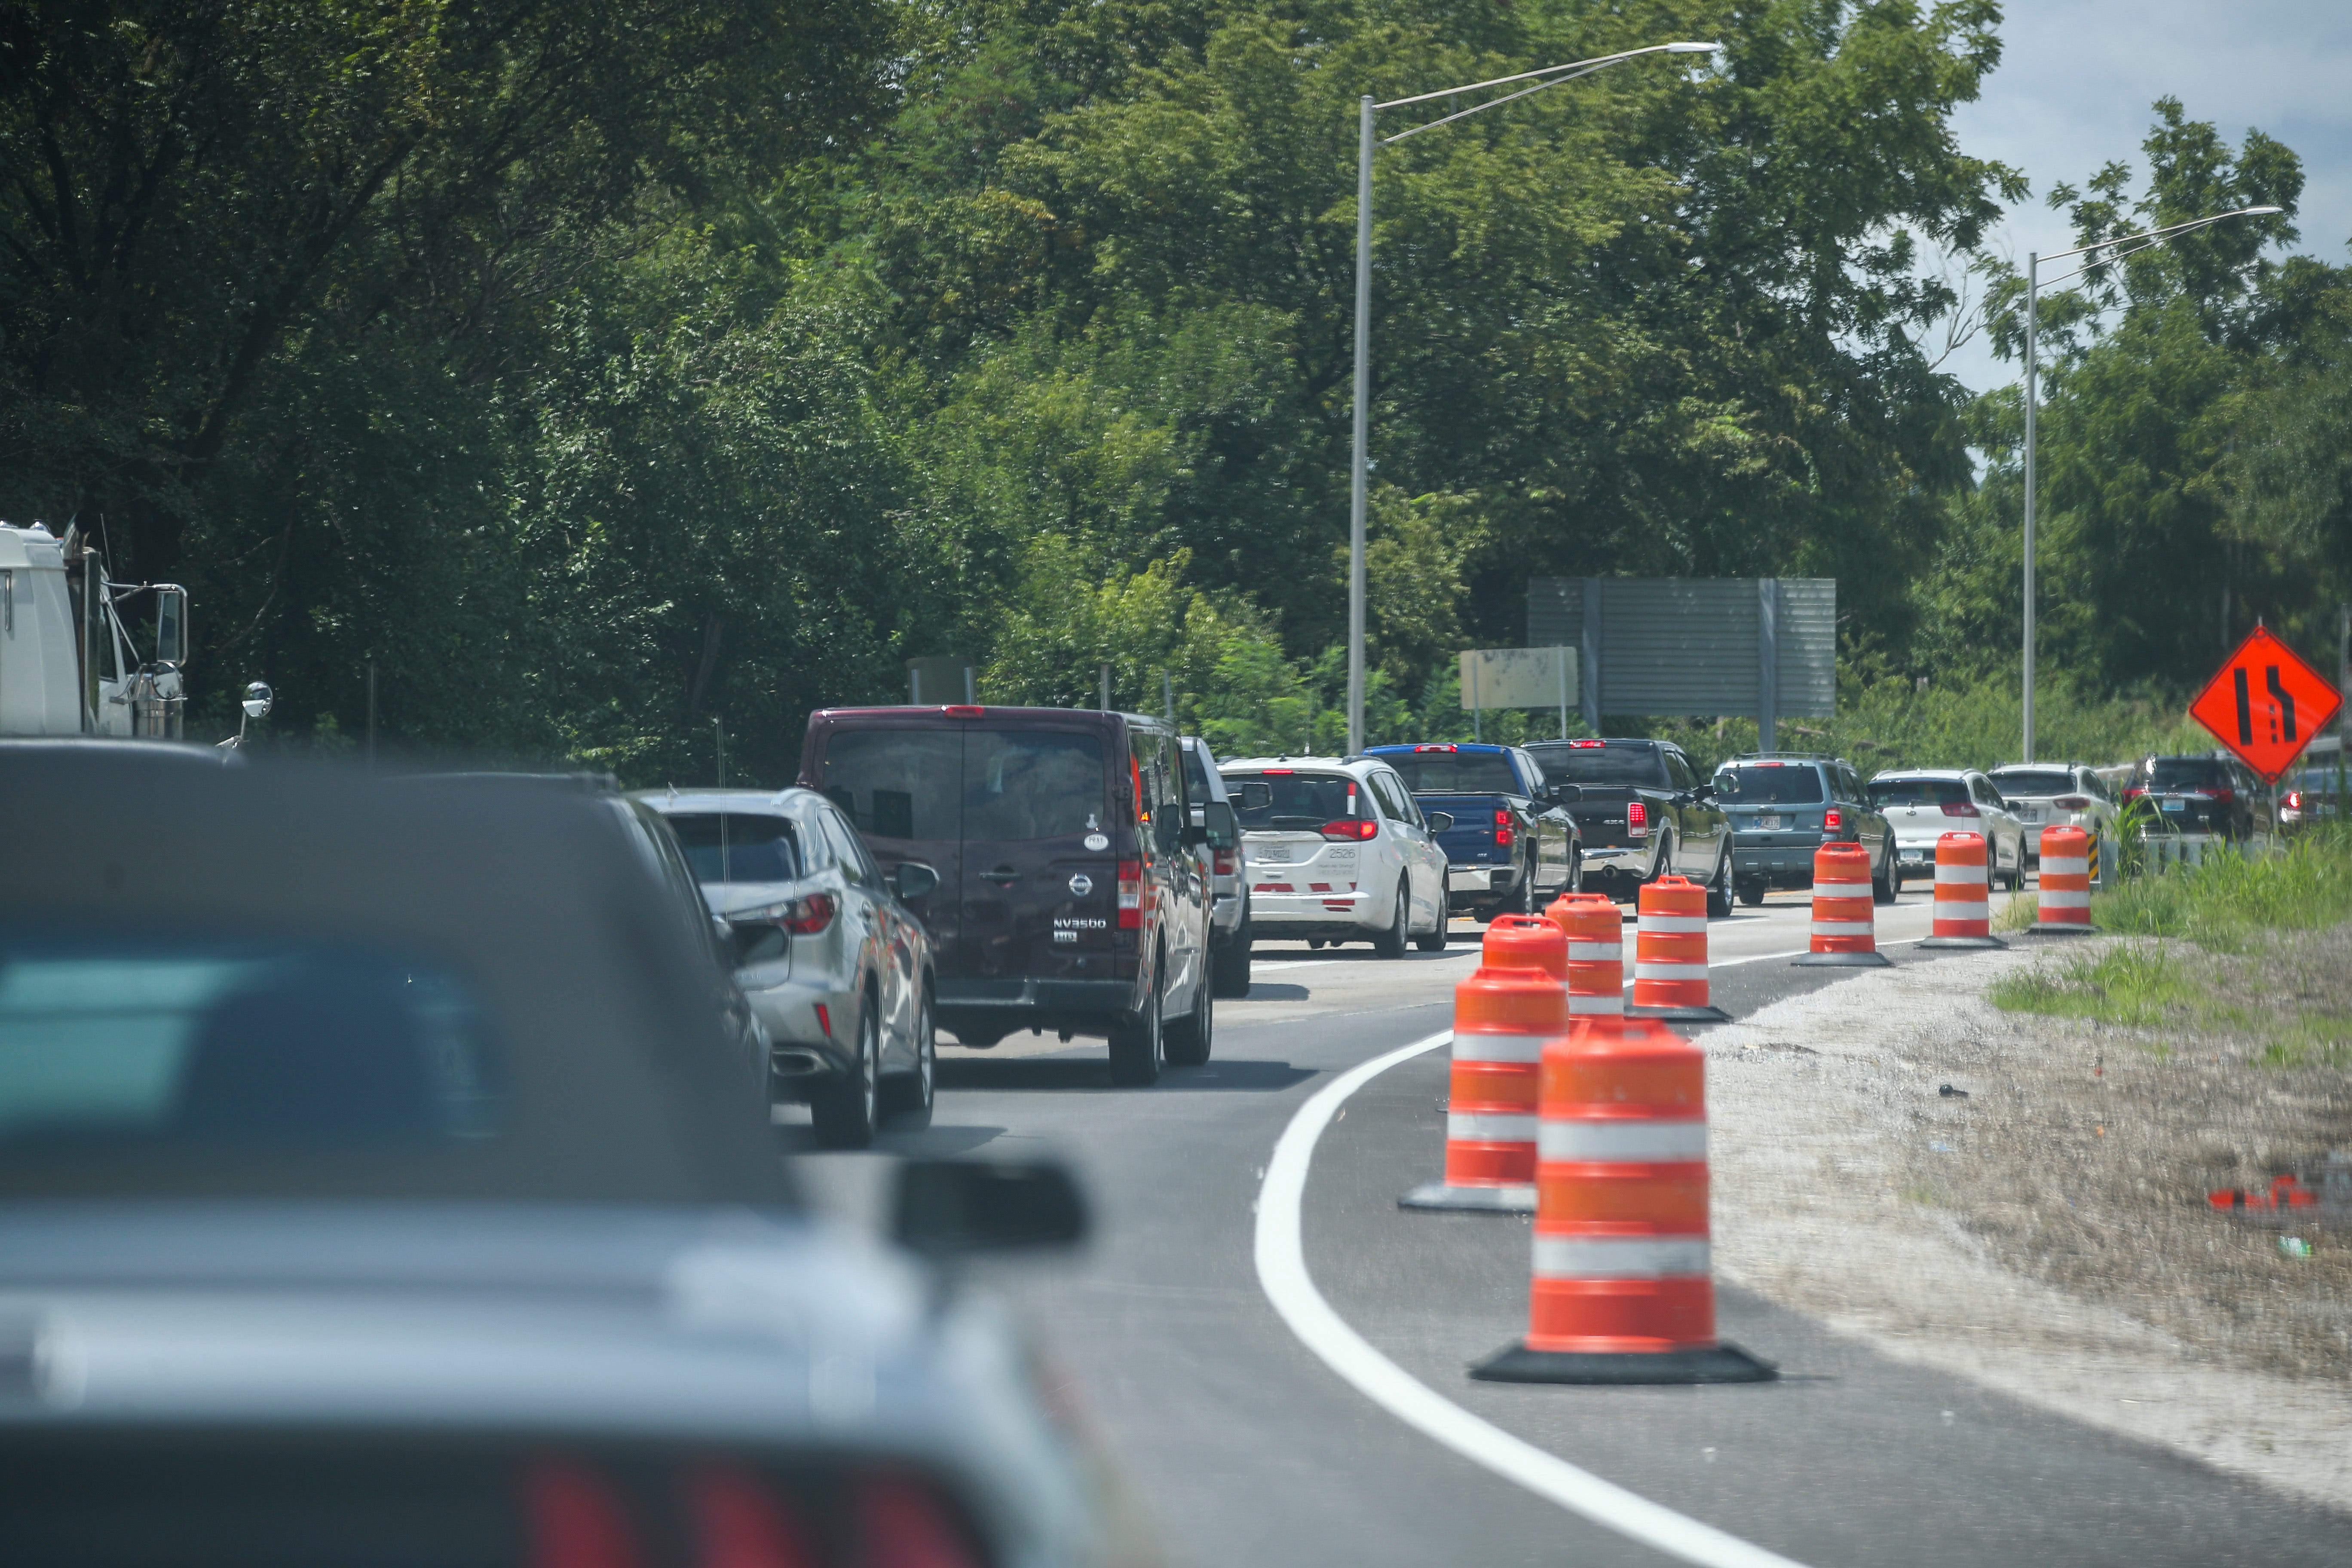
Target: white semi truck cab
point(70, 656)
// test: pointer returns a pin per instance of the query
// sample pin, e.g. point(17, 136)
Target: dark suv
point(2203, 795)
point(1072, 894)
point(1784, 806)
point(1643, 813)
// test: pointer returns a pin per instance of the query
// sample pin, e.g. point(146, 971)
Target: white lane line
point(1282, 1272)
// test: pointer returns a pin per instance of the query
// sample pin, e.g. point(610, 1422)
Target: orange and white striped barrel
point(1846, 931)
point(1670, 978)
point(2065, 897)
point(1503, 1014)
point(1596, 953)
point(1963, 913)
point(1622, 1289)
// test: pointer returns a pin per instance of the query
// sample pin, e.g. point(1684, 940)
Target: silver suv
point(833, 963)
point(1229, 917)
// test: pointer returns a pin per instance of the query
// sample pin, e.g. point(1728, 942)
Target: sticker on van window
point(1097, 841)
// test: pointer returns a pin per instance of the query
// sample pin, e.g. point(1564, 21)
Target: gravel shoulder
point(2046, 1234)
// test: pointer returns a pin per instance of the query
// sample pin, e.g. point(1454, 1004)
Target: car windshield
point(1774, 784)
point(1299, 800)
point(2185, 773)
point(2033, 783)
point(1639, 766)
point(130, 1042)
point(739, 846)
point(1454, 773)
point(1919, 792)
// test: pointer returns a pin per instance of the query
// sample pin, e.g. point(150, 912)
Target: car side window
point(655, 842)
point(1384, 791)
point(851, 853)
point(1678, 774)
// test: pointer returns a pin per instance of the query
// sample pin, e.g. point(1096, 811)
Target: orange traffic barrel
point(2063, 906)
point(1596, 953)
point(1845, 932)
point(1623, 1289)
point(1503, 1013)
point(1963, 894)
point(1670, 953)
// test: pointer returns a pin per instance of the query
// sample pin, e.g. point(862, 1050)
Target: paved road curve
point(1248, 1450)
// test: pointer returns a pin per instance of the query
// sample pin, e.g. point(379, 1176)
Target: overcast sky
point(2077, 79)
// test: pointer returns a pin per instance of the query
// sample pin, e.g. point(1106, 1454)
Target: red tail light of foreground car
point(1350, 829)
point(1505, 833)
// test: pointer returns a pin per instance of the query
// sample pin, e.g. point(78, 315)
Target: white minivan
point(1335, 850)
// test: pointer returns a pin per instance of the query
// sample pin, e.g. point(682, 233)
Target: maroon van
point(1072, 891)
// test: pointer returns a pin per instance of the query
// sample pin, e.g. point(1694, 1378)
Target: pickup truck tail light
point(1220, 862)
point(1832, 821)
point(1505, 833)
point(1130, 895)
point(1960, 808)
point(1350, 829)
point(1637, 819)
point(2073, 803)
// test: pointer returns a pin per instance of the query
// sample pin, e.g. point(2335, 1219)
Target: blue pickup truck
point(1510, 847)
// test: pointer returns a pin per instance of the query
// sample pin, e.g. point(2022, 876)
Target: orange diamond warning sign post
point(2266, 704)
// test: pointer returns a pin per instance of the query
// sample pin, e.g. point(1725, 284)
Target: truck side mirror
point(1567, 794)
point(1217, 818)
point(258, 699)
point(171, 626)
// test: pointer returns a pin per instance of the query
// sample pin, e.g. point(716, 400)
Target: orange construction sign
point(2266, 704)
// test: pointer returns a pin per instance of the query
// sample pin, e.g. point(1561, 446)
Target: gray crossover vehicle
point(377, 1184)
point(836, 967)
point(1784, 806)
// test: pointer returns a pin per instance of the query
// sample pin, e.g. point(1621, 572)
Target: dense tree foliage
point(608, 374)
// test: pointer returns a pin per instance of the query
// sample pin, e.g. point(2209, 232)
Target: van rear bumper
point(989, 1009)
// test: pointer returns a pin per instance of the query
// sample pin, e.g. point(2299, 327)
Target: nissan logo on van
point(1081, 885)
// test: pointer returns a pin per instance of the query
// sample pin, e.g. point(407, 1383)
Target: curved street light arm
point(2153, 235)
point(1578, 65)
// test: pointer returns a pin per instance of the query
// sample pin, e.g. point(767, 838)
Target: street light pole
point(1549, 76)
point(2033, 260)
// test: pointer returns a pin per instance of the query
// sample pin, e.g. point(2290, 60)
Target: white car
point(2055, 795)
point(1337, 851)
point(1922, 805)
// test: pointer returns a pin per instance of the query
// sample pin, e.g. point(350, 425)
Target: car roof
point(1402, 748)
point(597, 990)
point(1585, 743)
point(1921, 774)
point(784, 801)
point(1348, 765)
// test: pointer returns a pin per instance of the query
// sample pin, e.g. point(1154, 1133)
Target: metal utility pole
point(1366, 142)
point(2138, 242)
point(1106, 686)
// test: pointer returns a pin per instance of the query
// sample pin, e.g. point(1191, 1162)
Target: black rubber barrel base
point(1680, 1015)
point(1963, 942)
point(2038, 929)
point(1720, 1364)
point(1470, 1200)
point(1841, 960)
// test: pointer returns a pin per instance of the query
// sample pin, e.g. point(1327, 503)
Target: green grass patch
point(2132, 983)
point(2220, 903)
point(2316, 1039)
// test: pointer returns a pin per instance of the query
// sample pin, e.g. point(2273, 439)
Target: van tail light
point(1130, 895)
point(962, 710)
point(1505, 833)
point(1350, 829)
point(1960, 808)
point(2073, 803)
point(1637, 820)
point(1832, 821)
point(905, 1525)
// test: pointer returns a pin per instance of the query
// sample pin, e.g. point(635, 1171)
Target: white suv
point(1334, 849)
point(2056, 794)
point(1922, 805)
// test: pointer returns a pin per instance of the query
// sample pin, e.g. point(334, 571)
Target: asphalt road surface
point(1246, 1449)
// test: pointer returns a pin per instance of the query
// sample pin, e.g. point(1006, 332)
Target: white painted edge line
point(1282, 1273)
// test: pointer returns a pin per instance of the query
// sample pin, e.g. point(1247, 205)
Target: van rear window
point(1021, 784)
point(897, 784)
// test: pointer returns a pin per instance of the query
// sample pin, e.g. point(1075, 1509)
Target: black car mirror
point(1705, 791)
point(1567, 794)
point(759, 942)
point(950, 1209)
point(912, 879)
point(1197, 835)
point(1253, 795)
point(1225, 832)
point(1439, 821)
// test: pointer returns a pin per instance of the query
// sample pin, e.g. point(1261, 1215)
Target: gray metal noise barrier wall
point(1754, 647)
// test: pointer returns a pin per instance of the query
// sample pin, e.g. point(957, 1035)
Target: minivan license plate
point(1270, 854)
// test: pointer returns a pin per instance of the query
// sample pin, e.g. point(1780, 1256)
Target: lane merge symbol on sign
point(2266, 704)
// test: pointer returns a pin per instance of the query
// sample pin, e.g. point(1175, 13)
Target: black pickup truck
point(1643, 812)
point(1513, 848)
